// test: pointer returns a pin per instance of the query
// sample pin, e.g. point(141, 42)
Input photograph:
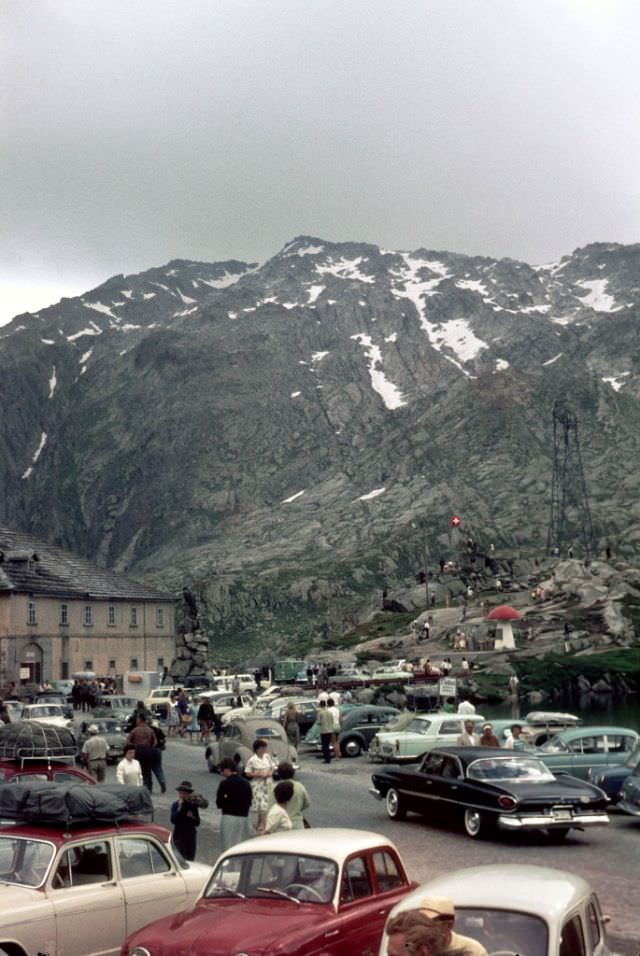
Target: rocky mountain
point(285, 438)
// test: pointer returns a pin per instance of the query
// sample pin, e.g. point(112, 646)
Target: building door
point(31, 665)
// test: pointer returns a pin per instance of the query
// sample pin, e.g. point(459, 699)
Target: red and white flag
point(455, 521)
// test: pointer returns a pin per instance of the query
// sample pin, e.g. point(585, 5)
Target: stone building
point(61, 614)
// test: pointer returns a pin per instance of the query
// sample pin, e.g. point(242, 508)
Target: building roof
point(30, 566)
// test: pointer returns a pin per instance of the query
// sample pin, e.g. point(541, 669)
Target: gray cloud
point(137, 132)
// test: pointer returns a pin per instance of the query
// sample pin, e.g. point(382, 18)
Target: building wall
point(33, 636)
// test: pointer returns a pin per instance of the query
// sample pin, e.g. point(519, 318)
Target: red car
point(14, 772)
point(302, 892)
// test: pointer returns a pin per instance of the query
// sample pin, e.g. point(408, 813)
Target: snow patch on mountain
point(388, 392)
point(473, 286)
point(597, 298)
point(78, 335)
point(345, 269)
point(225, 280)
point(314, 292)
point(36, 455)
point(53, 381)
point(371, 494)
point(99, 307)
point(286, 501)
point(554, 359)
point(616, 381)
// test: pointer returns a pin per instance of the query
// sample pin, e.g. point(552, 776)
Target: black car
point(490, 788)
point(630, 794)
point(359, 727)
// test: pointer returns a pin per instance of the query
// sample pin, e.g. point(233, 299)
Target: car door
point(448, 732)
point(588, 750)
point(152, 885)
point(87, 900)
point(361, 913)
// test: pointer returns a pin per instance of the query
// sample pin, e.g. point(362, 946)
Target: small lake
point(594, 709)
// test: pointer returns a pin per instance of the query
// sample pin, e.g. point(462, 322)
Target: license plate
point(562, 814)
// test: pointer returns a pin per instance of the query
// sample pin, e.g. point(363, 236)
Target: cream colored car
point(70, 891)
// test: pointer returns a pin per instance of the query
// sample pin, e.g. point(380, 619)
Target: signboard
point(447, 687)
point(25, 673)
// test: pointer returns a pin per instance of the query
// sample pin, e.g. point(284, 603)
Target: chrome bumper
point(375, 793)
point(551, 822)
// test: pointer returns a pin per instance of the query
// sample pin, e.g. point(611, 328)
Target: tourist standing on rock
point(233, 799)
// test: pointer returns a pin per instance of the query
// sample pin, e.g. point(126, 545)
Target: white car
point(158, 700)
point(514, 908)
point(223, 702)
point(46, 714)
point(424, 733)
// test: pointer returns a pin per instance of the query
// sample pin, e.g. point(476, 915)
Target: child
point(277, 817)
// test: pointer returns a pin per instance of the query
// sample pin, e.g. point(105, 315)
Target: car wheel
point(395, 805)
point(474, 823)
point(351, 747)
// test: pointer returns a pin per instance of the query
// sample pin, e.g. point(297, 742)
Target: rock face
point(287, 437)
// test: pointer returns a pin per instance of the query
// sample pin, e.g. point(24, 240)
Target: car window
point(450, 768)
point(593, 922)
point(312, 879)
point(587, 745)
point(572, 940)
point(554, 746)
point(432, 763)
point(355, 880)
point(388, 876)
point(619, 743)
point(418, 726)
point(140, 857)
point(504, 930)
point(63, 776)
point(451, 727)
point(24, 861)
point(517, 767)
point(83, 864)
point(28, 777)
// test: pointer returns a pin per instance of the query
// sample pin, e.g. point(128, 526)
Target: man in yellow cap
point(428, 931)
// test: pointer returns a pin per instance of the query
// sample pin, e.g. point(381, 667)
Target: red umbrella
point(504, 612)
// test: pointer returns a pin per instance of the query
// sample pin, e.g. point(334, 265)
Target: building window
point(31, 613)
point(111, 615)
point(64, 613)
point(88, 665)
point(64, 670)
point(159, 617)
point(160, 664)
point(88, 617)
point(112, 664)
point(134, 617)
point(134, 664)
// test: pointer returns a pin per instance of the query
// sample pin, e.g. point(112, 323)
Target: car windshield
point(554, 746)
point(503, 931)
point(309, 879)
point(418, 726)
point(108, 726)
point(24, 861)
point(46, 710)
point(510, 768)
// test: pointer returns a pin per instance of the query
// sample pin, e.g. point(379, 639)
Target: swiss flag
point(455, 521)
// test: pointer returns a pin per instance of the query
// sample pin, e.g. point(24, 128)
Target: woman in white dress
point(259, 769)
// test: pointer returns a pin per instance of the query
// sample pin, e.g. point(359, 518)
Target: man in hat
point(488, 738)
point(185, 819)
point(94, 753)
point(428, 931)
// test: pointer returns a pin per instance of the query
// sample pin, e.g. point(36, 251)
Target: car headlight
point(139, 951)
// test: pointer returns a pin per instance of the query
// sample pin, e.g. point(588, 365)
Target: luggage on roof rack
point(26, 740)
point(64, 804)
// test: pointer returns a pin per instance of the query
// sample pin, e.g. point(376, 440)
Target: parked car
point(115, 705)
point(538, 911)
point(490, 788)
point(304, 891)
point(611, 778)
point(224, 701)
point(630, 794)
point(158, 701)
point(46, 714)
point(53, 697)
point(539, 726)
point(237, 740)
point(391, 671)
point(421, 735)
point(351, 677)
point(247, 682)
point(576, 751)
point(112, 730)
point(80, 890)
point(359, 724)
point(307, 711)
point(16, 771)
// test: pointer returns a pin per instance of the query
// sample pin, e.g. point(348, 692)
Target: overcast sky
point(137, 131)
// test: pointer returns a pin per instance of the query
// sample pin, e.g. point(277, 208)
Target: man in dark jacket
point(234, 798)
point(185, 819)
point(143, 738)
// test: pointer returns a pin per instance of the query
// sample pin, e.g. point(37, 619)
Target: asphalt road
point(609, 857)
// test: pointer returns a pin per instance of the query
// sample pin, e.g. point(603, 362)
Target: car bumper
point(375, 793)
point(626, 807)
point(552, 821)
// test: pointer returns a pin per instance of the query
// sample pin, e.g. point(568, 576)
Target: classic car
point(358, 724)
point(115, 705)
point(351, 676)
point(54, 697)
point(576, 751)
point(112, 730)
point(157, 702)
point(15, 771)
point(425, 732)
point(629, 800)
point(306, 707)
point(491, 788)
point(539, 911)
point(391, 671)
point(76, 891)
point(223, 701)
point(237, 740)
point(46, 714)
point(610, 779)
point(539, 725)
point(304, 892)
